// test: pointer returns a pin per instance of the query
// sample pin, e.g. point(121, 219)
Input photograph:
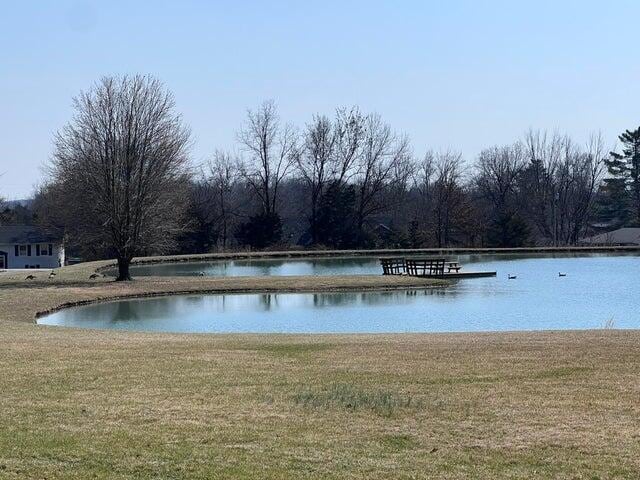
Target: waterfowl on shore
point(94, 275)
point(201, 274)
point(30, 277)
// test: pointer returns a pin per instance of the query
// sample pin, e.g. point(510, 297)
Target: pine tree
point(622, 189)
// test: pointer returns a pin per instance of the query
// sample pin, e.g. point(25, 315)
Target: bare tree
point(121, 164)
point(382, 151)
point(272, 152)
point(448, 196)
point(498, 170)
point(223, 176)
point(316, 164)
point(2, 209)
point(561, 181)
point(349, 132)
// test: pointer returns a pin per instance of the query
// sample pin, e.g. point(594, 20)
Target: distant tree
point(201, 232)
point(119, 169)
point(213, 206)
point(271, 150)
point(421, 226)
point(260, 231)
point(449, 198)
point(623, 186)
point(223, 181)
point(507, 229)
point(497, 179)
point(560, 183)
point(612, 206)
point(382, 154)
point(3, 211)
point(316, 165)
point(337, 222)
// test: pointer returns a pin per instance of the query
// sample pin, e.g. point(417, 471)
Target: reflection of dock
point(428, 267)
point(466, 275)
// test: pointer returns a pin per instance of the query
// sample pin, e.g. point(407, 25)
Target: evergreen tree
point(261, 231)
point(508, 230)
point(612, 207)
point(622, 189)
point(336, 222)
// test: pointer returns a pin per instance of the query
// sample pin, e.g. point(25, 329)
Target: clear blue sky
point(459, 74)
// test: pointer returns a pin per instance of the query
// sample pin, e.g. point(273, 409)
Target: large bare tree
point(382, 155)
point(349, 133)
point(316, 162)
point(560, 183)
point(271, 149)
point(120, 165)
point(498, 170)
point(449, 206)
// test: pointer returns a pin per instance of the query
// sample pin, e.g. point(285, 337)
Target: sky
point(460, 75)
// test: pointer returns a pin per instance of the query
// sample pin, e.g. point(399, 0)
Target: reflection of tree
point(194, 300)
point(268, 301)
point(162, 307)
point(382, 298)
point(342, 263)
point(126, 310)
point(334, 299)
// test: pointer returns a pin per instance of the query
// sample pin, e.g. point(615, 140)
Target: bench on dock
point(453, 266)
point(425, 267)
point(419, 267)
point(393, 266)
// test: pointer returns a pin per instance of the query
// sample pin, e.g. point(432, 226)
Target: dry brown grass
point(99, 404)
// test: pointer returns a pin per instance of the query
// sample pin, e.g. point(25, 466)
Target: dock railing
point(393, 266)
point(425, 267)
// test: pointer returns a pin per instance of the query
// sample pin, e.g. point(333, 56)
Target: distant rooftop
point(622, 236)
point(21, 234)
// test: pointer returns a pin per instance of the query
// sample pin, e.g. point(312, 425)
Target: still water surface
point(260, 267)
point(598, 291)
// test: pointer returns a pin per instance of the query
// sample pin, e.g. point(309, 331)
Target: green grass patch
point(352, 398)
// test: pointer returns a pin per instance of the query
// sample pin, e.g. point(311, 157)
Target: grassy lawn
point(93, 404)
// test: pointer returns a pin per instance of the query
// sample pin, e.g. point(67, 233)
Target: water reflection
point(338, 265)
point(596, 289)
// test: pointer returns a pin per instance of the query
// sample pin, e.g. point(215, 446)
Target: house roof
point(20, 234)
point(622, 236)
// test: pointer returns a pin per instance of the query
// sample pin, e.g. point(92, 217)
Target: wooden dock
point(428, 267)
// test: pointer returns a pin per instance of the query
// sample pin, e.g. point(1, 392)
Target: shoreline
point(26, 303)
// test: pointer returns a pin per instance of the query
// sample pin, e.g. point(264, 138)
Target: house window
point(44, 249)
point(22, 250)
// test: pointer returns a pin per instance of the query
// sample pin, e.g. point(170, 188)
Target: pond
point(598, 291)
point(260, 267)
point(358, 265)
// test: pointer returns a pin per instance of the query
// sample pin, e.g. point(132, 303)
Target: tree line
point(120, 184)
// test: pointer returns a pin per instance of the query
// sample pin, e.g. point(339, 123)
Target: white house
point(29, 247)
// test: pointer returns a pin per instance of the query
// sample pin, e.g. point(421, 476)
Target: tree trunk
point(123, 270)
